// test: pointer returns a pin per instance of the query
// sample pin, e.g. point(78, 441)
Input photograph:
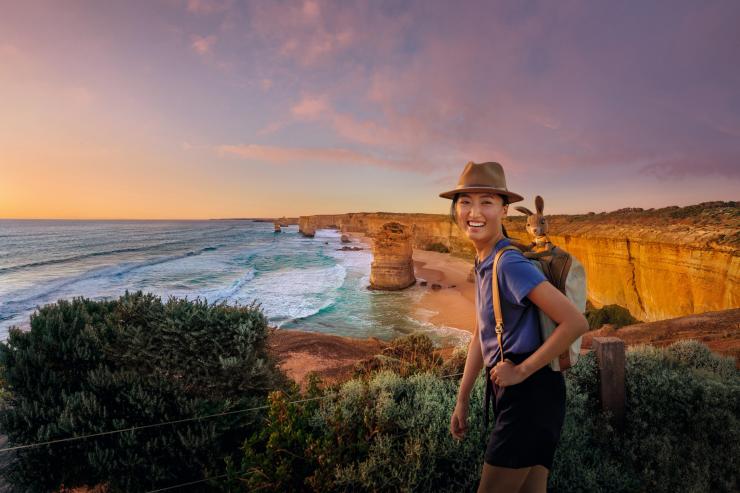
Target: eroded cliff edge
point(658, 263)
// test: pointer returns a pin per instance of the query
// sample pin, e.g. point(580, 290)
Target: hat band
point(461, 187)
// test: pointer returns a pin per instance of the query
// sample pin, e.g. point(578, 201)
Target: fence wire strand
point(164, 423)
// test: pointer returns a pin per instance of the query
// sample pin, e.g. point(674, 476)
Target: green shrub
point(696, 355)
point(281, 455)
point(682, 429)
point(405, 356)
point(91, 366)
point(588, 455)
point(437, 247)
point(609, 314)
point(387, 433)
point(681, 412)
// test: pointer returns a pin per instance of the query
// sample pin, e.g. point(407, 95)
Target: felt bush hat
point(482, 177)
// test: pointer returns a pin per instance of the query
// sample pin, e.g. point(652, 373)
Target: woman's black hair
point(453, 213)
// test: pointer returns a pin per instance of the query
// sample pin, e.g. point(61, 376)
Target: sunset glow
point(210, 109)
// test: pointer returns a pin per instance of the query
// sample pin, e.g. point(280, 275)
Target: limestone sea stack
point(393, 266)
point(307, 226)
point(277, 228)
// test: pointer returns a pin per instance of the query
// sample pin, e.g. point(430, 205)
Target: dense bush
point(385, 432)
point(681, 430)
point(609, 314)
point(388, 433)
point(91, 366)
point(411, 354)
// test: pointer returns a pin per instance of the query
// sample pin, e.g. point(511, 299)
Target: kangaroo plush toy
point(537, 226)
point(562, 269)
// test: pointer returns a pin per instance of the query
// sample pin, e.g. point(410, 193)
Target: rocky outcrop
point(307, 225)
point(308, 231)
point(331, 357)
point(659, 264)
point(278, 229)
point(392, 267)
point(287, 221)
point(428, 229)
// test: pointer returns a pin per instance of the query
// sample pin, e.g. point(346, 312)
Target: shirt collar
point(488, 261)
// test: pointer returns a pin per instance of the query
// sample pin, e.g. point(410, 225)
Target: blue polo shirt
point(517, 277)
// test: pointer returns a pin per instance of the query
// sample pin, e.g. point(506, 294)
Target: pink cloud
point(353, 129)
point(8, 50)
point(305, 32)
point(311, 9)
point(426, 85)
point(271, 128)
point(12, 58)
point(285, 155)
point(203, 44)
point(311, 108)
point(208, 6)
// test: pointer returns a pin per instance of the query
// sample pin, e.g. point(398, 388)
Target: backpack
point(559, 267)
point(564, 272)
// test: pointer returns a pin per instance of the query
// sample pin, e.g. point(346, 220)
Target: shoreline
point(333, 358)
point(453, 305)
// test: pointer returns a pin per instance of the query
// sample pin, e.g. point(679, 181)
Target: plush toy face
point(536, 222)
point(536, 225)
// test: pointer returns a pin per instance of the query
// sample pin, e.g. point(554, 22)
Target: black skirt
point(528, 418)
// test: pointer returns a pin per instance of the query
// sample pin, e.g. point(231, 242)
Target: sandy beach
point(453, 305)
point(333, 358)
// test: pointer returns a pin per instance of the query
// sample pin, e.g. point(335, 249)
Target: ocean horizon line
point(293, 216)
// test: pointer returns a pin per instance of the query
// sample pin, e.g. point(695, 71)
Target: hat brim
point(513, 197)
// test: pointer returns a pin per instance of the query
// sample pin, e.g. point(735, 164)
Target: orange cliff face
point(659, 264)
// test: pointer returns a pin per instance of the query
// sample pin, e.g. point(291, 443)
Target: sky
point(217, 108)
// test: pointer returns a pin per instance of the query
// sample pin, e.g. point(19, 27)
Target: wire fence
point(132, 429)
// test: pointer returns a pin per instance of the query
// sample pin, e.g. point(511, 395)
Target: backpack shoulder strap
point(497, 299)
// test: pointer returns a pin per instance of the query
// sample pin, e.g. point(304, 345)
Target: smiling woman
point(529, 401)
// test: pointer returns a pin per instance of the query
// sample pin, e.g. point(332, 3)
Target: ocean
point(300, 283)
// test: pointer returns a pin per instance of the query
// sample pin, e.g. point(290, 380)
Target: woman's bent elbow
point(582, 325)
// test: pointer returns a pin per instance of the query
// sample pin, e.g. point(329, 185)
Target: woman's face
point(480, 215)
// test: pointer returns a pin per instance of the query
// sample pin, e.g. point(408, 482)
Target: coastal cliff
point(658, 263)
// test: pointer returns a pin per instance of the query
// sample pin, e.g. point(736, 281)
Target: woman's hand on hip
point(506, 374)
point(459, 421)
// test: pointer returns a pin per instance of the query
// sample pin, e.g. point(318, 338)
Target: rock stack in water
point(277, 227)
point(392, 267)
point(307, 226)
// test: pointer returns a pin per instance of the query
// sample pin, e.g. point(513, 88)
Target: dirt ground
point(719, 330)
point(332, 357)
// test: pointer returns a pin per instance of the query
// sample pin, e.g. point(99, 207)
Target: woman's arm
point(571, 325)
point(473, 365)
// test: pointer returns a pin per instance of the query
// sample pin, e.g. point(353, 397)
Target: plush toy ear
point(523, 210)
point(539, 204)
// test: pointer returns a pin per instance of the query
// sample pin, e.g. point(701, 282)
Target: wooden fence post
point(611, 360)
